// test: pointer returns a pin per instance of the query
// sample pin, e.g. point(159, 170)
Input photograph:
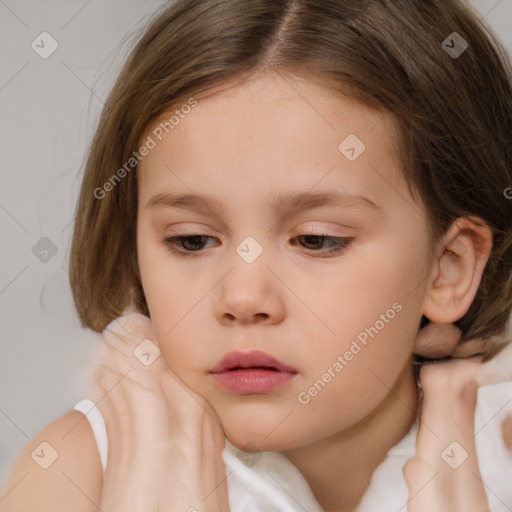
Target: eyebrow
point(280, 203)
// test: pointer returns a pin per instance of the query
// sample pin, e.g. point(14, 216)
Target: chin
point(252, 433)
point(249, 442)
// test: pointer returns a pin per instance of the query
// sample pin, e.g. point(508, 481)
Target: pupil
point(316, 239)
point(196, 240)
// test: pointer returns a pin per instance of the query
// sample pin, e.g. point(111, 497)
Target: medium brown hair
point(453, 115)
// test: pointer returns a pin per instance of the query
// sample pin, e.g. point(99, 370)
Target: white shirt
point(269, 482)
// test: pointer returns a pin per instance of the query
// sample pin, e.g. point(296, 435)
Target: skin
point(241, 146)
point(448, 416)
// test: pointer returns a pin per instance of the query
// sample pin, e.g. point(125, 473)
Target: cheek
point(168, 302)
point(354, 378)
point(373, 297)
point(182, 351)
point(373, 316)
point(160, 280)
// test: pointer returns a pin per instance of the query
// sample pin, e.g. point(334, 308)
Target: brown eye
point(192, 242)
point(185, 243)
point(315, 243)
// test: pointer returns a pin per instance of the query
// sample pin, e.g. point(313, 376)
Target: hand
point(165, 441)
point(444, 475)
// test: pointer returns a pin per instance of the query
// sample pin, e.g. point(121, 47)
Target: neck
point(335, 484)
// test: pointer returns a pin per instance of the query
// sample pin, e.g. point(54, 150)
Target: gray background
point(48, 111)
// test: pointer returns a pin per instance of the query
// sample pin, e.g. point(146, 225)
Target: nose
point(249, 293)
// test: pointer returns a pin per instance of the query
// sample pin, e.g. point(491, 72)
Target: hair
point(453, 119)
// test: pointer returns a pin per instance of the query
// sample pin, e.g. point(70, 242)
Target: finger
point(469, 348)
point(214, 444)
point(446, 416)
point(220, 469)
point(133, 397)
point(498, 369)
point(126, 333)
point(137, 431)
point(420, 478)
point(208, 477)
point(148, 415)
point(214, 478)
point(121, 354)
point(114, 409)
point(450, 381)
point(131, 325)
point(443, 472)
point(435, 340)
point(187, 406)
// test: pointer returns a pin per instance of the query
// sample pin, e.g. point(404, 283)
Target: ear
point(460, 259)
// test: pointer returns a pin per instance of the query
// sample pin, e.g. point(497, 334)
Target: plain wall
point(48, 111)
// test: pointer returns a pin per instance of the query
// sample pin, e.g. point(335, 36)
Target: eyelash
point(343, 243)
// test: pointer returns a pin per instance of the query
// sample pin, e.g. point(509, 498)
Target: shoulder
point(58, 469)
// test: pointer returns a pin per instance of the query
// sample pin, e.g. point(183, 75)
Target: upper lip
point(254, 358)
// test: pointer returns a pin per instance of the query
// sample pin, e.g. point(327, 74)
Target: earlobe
point(460, 261)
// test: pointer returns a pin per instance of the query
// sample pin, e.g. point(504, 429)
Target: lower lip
point(252, 380)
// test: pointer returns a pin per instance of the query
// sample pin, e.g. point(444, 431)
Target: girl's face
point(343, 311)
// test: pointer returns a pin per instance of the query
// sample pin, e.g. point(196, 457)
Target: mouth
point(270, 368)
point(255, 359)
point(251, 373)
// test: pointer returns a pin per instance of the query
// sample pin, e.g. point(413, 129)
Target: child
point(264, 373)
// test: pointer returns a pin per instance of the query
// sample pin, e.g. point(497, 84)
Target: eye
point(336, 245)
point(187, 245)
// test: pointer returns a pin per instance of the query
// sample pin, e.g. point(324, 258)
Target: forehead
point(269, 133)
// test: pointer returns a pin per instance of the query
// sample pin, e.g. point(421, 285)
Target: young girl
point(242, 364)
